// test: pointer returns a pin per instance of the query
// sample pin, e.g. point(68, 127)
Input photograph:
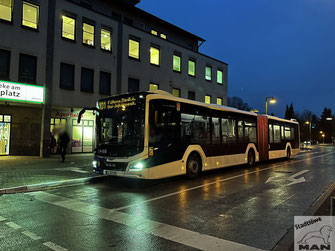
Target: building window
point(176, 92)
point(133, 85)
point(191, 68)
point(105, 83)
point(69, 28)
point(30, 15)
point(4, 64)
point(106, 40)
point(163, 36)
point(153, 32)
point(176, 63)
point(154, 55)
point(191, 95)
point(27, 69)
point(6, 10)
point(88, 34)
point(66, 76)
point(134, 49)
point(208, 99)
point(219, 101)
point(208, 75)
point(220, 77)
point(87, 79)
point(153, 87)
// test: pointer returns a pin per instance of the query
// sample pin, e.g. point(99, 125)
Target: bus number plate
point(109, 172)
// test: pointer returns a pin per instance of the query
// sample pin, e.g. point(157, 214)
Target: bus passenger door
point(263, 142)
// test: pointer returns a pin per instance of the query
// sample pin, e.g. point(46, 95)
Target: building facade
point(61, 56)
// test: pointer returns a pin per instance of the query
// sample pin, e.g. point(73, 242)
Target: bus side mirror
point(151, 151)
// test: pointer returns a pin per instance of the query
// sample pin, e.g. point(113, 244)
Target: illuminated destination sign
point(117, 103)
point(21, 92)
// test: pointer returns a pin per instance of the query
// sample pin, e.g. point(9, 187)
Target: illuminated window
point(176, 92)
point(153, 32)
point(220, 77)
point(88, 34)
point(153, 87)
point(30, 15)
point(208, 73)
point(191, 68)
point(106, 40)
point(154, 56)
point(134, 49)
point(163, 36)
point(176, 63)
point(219, 101)
point(69, 28)
point(6, 10)
point(208, 99)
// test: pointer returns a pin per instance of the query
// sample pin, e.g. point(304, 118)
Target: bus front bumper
point(143, 174)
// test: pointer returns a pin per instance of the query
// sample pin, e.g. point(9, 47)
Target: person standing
point(63, 142)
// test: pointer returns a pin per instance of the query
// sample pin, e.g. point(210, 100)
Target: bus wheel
point(288, 154)
point(251, 158)
point(193, 168)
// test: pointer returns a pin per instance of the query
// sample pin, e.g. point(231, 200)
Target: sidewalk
point(22, 171)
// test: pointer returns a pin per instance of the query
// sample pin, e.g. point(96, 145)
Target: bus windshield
point(121, 130)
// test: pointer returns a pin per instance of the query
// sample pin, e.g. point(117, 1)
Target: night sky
point(280, 48)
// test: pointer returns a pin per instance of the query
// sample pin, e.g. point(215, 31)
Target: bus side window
point(228, 131)
point(240, 131)
point(276, 130)
point(250, 132)
point(216, 130)
point(201, 129)
point(271, 138)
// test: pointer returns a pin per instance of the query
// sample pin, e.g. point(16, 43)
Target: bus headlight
point(136, 167)
point(95, 164)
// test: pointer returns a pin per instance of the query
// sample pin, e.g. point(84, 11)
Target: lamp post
point(323, 137)
point(310, 130)
point(272, 101)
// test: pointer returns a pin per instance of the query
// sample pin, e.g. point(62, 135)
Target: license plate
point(109, 172)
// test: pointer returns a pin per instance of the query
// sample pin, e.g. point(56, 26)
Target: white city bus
point(154, 135)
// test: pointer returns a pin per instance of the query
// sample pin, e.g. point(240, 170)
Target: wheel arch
point(194, 149)
point(252, 146)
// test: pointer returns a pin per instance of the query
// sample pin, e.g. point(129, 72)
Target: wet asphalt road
point(227, 209)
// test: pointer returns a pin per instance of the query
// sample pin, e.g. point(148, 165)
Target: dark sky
point(280, 48)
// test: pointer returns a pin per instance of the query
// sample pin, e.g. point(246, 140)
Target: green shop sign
point(21, 92)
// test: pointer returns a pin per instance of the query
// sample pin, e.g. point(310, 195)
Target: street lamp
point(323, 137)
point(272, 101)
point(310, 130)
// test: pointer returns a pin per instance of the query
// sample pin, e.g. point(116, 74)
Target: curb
point(51, 185)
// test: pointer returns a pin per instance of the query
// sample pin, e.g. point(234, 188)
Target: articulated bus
point(154, 135)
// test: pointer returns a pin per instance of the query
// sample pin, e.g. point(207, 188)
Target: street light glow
point(273, 101)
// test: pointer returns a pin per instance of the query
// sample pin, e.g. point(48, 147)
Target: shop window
point(4, 64)
point(219, 101)
point(191, 95)
point(67, 76)
point(134, 49)
point(153, 87)
point(191, 68)
point(87, 79)
point(30, 15)
point(5, 126)
point(176, 63)
point(105, 83)
point(6, 8)
point(88, 34)
point(154, 55)
point(82, 136)
point(220, 77)
point(176, 92)
point(133, 85)
point(208, 99)
point(106, 40)
point(208, 75)
point(27, 69)
point(69, 28)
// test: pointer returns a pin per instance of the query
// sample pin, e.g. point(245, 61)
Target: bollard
point(332, 205)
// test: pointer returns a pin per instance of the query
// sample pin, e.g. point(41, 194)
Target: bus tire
point(193, 166)
point(251, 158)
point(288, 153)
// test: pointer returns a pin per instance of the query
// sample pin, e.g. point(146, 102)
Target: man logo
point(314, 233)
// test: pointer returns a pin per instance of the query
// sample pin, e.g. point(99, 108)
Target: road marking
point(162, 230)
point(32, 235)
point(72, 169)
point(213, 183)
point(2, 219)
point(13, 225)
point(290, 178)
point(53, 246)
